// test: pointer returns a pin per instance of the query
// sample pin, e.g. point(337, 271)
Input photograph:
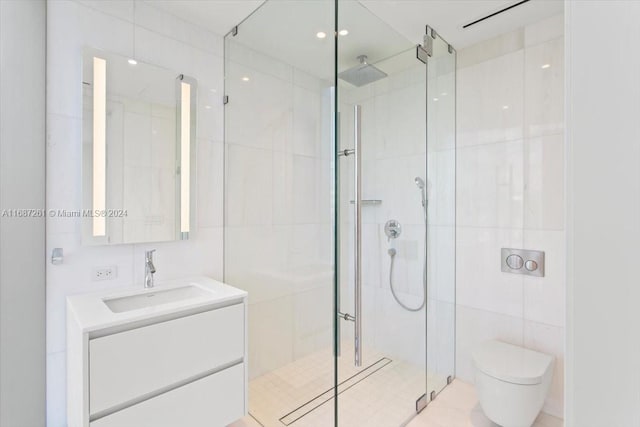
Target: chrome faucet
point(149, 268)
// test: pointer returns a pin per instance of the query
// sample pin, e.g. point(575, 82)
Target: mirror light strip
point(185, 153)
point(99, 144)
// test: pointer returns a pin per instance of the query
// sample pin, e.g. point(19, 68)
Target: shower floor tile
point(383, 395)
point(456, 406)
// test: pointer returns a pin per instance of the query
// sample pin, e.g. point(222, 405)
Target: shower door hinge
point(421, 402)
point(449, 379)
point(234, 31)
point(425, 50)
point(431, 32)
point(225, 100)
point(421, 54)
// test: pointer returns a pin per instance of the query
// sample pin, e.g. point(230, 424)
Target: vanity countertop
point(91, 313)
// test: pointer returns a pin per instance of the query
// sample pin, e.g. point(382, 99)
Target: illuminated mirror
point(138, 151)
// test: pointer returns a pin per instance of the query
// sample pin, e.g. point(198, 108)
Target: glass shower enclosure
point(340, 212)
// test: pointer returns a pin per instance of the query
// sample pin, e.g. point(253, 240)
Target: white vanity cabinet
point(180, 363)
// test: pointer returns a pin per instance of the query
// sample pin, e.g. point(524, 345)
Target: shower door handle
point(358, 233)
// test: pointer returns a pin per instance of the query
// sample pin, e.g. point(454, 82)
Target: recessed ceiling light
point(208, 107)
point(443, 94)
point(505, 107)
point(321, 34)
point(343, 32)
point(545, 66)
point(132, 61)
point(435, 99)
point(245, 79)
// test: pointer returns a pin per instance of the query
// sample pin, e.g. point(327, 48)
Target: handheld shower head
point(419, 182)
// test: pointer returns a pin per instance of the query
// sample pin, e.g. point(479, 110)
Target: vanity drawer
point(127, 365)
point(216, 400)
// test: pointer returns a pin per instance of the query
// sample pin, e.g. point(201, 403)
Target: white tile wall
point(160, 39)
point(510, 179)
point(544, 182)
point(480, 283)
point(493, 107)
point(490, 184)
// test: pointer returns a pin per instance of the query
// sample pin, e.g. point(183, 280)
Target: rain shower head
point(362, 74)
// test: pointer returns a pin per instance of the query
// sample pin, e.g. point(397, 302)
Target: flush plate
point(522, 261)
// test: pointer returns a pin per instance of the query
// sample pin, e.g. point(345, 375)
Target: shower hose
point(392, 255)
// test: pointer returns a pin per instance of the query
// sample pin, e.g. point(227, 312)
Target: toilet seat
point(511, 363)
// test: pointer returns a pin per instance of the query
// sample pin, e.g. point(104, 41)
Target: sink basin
point(154, 298)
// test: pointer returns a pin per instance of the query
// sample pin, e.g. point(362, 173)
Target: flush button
point(521, 261)
point(515, 262)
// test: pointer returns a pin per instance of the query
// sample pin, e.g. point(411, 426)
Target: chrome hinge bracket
point(346, 316)
point(425, 50)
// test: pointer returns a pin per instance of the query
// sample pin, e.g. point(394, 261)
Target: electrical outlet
point(105, 273)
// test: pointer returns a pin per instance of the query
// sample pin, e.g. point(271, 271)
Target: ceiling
point(407, 17)
point(218, 16)
point(447, 17)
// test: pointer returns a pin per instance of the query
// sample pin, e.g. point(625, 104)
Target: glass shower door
point(382, 175)
point(278, 241)
point(339, 213)
point(395, 165)
point(441, 184)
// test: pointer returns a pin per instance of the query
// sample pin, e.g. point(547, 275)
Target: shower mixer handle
point(392, 229)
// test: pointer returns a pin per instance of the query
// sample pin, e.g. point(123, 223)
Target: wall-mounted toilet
point(512, 382)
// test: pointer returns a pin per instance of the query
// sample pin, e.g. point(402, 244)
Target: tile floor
point(456, 406)
point(383, 389)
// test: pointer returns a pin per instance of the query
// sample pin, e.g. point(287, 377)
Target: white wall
point(603, 188)
point(132, 29)
point(510, 176)
point(22, 185)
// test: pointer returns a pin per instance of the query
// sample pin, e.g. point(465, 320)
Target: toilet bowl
point(512, 382)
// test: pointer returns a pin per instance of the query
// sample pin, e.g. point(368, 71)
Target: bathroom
point(376, 213)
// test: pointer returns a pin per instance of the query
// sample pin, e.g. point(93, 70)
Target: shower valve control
point(392, 229)
point(522, 261)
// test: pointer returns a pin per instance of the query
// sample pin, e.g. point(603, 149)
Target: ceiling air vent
point(494, 14)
